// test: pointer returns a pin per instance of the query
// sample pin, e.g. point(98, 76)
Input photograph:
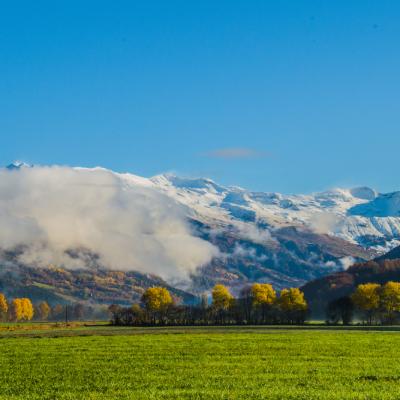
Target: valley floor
point(101, 362)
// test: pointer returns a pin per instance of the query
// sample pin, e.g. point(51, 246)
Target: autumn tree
point(157, 300)
point(43, 310)
point(367, 300)
point(263, 296)
point(292, 305)
point(15, 310)
point(27, 309)
point(221, 297)
point(222, 300)
point(3, 307)
point(21, 310)
point(390, 301)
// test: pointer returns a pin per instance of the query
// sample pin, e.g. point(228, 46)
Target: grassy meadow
point(101, 362)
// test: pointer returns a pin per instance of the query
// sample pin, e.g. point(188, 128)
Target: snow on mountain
point(359, 215)
point(385, 205)
point(277, 238)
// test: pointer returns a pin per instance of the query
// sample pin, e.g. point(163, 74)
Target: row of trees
point(22, 309)
point(372, 302)
point(258, 304)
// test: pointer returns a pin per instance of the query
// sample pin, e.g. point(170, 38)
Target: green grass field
point(200, 363)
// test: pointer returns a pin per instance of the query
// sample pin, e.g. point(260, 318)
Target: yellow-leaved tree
point(3, 307)
point(157, 300)
point(293, 305)
point(222, 300)
point(263, 297)
point(221, 297)
point(21, 310)
point(390, 301)
point(27, 309)
point(367, 299)
point(263, 293)
point(15, 310)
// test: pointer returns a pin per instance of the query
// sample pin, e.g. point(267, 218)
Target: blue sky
point(291, 96)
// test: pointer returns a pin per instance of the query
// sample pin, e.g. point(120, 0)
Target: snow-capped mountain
point(285, 238)
point(271, 237)
point(360, 215)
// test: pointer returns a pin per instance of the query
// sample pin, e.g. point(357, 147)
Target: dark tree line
point(258, 304)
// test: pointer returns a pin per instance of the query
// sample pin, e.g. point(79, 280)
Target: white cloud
point(253, 233)
point(347, 262)
point(50, 210)
point(235, 153)
point(325, 222)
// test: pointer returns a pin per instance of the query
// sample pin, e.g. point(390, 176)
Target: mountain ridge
point(265, 236)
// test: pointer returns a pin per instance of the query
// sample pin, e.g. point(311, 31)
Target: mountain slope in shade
point(380, 270)
point(291, 259)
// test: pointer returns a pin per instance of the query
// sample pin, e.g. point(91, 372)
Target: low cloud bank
point(58, 214)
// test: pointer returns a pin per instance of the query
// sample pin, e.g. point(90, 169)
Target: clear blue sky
point(290, 96)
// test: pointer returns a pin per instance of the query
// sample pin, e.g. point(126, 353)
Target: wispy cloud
point(232, 153)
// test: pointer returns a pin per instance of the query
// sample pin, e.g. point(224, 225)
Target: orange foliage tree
point(21, 310)
point(3, 307)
